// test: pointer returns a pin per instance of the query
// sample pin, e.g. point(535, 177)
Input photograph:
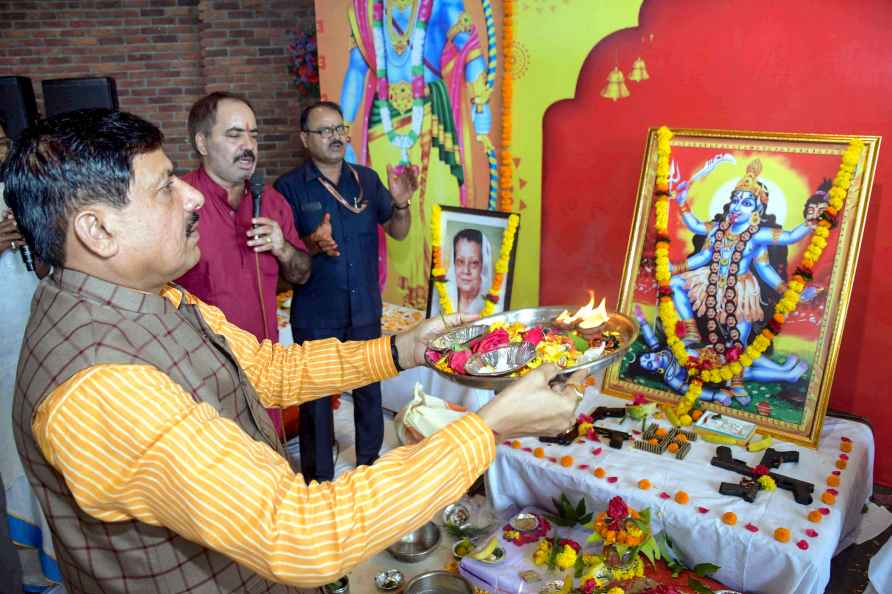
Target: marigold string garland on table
point(699, 370)
point(438, 272)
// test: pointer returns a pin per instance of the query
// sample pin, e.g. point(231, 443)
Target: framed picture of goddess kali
point(758, 262)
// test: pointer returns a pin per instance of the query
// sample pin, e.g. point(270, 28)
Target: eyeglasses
point(329, 131)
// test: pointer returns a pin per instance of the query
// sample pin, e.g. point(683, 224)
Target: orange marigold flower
point(644, 484)
point(515, 444)
point(841, 464)
point(782, 535)
point(653, 441)
point(600, 472)
point(828, 497)
point(673, 447)
point(662, 432)
point(696, 414)
point(539, 453)
point(566, 461)
point(815, 516)
point(682, 498)
point(634, 513)
point(833, 480)
point(729, 518)
point(589, 381)
point(846, 446)
point(682, 436)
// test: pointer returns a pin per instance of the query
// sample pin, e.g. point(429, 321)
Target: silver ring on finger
point(12, 245)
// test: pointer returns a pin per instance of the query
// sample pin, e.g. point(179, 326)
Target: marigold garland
point(438, 271)
point(506, 165)
point(699, 372)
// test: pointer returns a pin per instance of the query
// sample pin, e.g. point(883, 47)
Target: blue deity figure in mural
point(658, 362)
point(729, 285)
point(419, 81)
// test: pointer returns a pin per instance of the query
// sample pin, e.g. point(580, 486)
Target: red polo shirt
point(226, 274)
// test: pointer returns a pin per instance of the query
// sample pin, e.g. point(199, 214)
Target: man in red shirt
point(241, 257)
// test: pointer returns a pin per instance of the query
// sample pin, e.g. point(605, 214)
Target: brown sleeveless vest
point(78, 321)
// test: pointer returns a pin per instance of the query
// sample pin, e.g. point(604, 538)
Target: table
point(880, 571)
point(751, 561)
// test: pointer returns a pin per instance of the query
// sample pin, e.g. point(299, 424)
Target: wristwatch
point(404, 206)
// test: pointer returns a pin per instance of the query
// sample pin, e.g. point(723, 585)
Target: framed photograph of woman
point(747, 248)
point(476, 249)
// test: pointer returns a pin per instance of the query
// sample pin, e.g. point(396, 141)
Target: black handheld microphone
point(25, 251)
point(256, 185)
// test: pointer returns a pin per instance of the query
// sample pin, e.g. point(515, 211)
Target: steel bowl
point(625, 326)
point(501, 361)
point(389, 579)
point(438, 582)
point(416, 545)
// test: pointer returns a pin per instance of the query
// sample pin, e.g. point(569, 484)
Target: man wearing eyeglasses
point(337, 209)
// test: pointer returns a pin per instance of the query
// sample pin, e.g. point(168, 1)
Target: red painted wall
point(787, 66)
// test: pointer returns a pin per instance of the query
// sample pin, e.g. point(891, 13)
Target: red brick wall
point(165, 54)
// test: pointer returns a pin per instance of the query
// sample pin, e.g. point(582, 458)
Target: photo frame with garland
point(485, 232)
point(746, 244)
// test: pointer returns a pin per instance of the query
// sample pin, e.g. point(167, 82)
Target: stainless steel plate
point(455, 338)
point(625, 327)
point(501, 361)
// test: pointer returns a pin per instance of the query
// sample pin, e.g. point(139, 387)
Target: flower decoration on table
point(626, 535)
point(712, 366)
point(303, 62)
point(567, 514)
point(564, 344)
point(438, 271)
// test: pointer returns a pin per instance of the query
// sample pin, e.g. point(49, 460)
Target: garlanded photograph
point(739, 270)
point(473, 260)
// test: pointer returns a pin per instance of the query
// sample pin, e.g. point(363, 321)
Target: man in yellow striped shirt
point(138, 411)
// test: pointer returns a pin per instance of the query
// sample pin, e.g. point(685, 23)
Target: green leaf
point(698, 587)
point(586, 518)
point(595, 537)
point(580, 566)
point(705, 569)
point(557, 506)
point(580, 507)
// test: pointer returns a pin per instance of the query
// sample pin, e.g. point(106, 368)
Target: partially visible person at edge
point(136, 405)
point(242, 257)
point(10, 240)
point(21, 522)
point(342, 299)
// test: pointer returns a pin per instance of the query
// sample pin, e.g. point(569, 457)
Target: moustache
point(247, 153)
point(190, 226)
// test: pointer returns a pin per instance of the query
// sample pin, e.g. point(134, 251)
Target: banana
point(758, 446)
point(669, 411)
point(487, 550)
point(716, 438)
point(568, 585)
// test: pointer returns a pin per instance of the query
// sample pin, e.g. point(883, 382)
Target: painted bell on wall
point(616, 85)
point(639, 71)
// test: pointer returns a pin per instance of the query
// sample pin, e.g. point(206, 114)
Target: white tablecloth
point(880, 570)
point(750, 561)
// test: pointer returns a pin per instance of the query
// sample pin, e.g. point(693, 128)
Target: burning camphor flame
point(586, 316)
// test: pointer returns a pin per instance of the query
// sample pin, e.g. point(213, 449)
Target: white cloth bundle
point(425, 415)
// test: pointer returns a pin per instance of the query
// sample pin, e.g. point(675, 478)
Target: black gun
point(608, 412)
point(615, 436)
point(746, 489)
point(773, 458)
point(801, 490)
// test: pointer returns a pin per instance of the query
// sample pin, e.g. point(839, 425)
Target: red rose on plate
point(534, 335)
point(458, 360)
point(492, 341)
point(433, 356)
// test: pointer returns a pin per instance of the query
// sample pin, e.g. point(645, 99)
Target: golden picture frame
point(742, 210)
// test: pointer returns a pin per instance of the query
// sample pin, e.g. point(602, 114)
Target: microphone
point(256, 185)
point(27, 258)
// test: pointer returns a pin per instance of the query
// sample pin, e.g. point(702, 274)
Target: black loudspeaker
point(17, 104)
point(68, 94)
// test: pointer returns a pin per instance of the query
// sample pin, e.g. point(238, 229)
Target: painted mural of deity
point(418, 79)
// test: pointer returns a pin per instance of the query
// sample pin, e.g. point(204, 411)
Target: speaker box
point(17, 104)
point(68, 94)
